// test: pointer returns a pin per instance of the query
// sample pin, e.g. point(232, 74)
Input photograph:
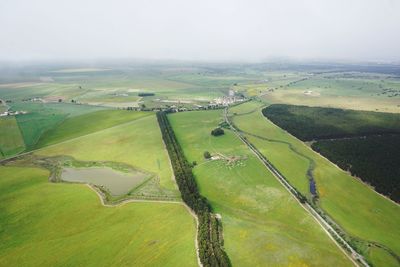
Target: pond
point(117, 182)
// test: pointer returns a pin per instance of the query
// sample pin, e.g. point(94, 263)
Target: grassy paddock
point(263, 224)
point(88, 123)
point(11, 141)
point(65, 225)
point(359, 210)
point(138, 144)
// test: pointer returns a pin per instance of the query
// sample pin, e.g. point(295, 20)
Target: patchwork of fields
point(78, 128)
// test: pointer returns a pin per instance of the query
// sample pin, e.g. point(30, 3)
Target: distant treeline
point(375, 159)
point(146, 94)
point(210, 240)
point(311, 123)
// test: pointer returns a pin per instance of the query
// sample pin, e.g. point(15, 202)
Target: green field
point(47, 224)
point(359, 210)
point(44, 117)
point(262, 223)
point(137, 144)
point(359, 91)
point(11, 141)
point(87, 123)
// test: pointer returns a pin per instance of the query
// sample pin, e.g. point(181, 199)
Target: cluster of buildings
point(227, 100)
point(12, 113)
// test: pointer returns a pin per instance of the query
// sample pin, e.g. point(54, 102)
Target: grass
point(263, 225)
point(44, 117)
point(11, 141)
point(87, 123)
point(47, 224)
point(359, 210)
point(138, 144)
point(347, 90)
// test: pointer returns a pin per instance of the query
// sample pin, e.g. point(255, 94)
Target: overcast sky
point(218, 30)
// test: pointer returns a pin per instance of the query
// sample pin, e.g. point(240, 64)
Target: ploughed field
point(262, 223)
point(369, 219)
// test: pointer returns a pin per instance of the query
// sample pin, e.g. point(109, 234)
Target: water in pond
point(118, 183)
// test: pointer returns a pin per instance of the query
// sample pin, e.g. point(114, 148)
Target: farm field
point(137, 144)
point(361, 212)
point(11, 141)
point(375, 92)
point(84, 120)
point(44, 117)
point(58, 224)
point(262, 223)
point(87, 123)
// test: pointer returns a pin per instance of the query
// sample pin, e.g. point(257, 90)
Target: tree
point(217, 131)
point(207, 155)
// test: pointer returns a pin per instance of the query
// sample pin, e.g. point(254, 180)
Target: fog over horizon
point(252, 30)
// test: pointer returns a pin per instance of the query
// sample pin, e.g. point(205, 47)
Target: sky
point(205, 30)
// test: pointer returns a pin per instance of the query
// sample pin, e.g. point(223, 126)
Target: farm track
point(329, 230)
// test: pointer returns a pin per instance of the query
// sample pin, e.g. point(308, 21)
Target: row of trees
point(210, 244)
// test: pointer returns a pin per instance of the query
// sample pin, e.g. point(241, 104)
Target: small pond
point(117, 182)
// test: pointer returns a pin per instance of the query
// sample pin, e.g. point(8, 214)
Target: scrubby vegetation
point(217, 132)
point(308, 123)
point(375, 159)
point(146, 94)
point(210, 244)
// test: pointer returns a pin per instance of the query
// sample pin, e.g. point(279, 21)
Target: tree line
point(210, 241)
point(313, 123)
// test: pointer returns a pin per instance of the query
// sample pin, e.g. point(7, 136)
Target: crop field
point(367, 216)
point(11, 141)
point(262, 223)
point(48, 224)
